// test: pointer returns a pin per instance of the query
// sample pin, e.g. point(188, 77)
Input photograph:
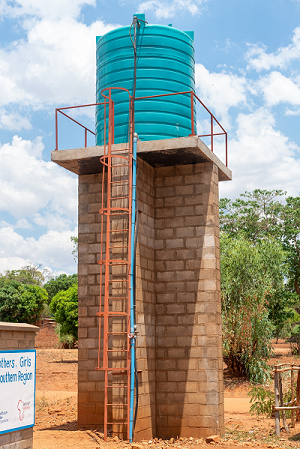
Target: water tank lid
point(170, 25)
point(191, 34)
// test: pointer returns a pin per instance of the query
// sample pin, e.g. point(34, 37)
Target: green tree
point(290, 223)
point(261, 215)
point(29, 274)
point(256, 215)
point(20, 303)
point(251, 277)
point(64, 306)
point(60, 283)
point(74, 241)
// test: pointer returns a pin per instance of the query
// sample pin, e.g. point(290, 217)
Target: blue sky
point(247, 72)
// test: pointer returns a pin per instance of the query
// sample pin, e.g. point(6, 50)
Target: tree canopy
point(264, 214)
point(64, 306)
point(260, 273)
point(252, 277)
point(29, 274)
point(60, 283)
point(20, 303)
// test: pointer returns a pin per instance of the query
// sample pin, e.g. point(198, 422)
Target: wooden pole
point(277, 415)
point(298, 397)
point(293, 396)
point(281, 403)
point(286, 407)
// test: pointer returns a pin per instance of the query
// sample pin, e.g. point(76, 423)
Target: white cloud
point(166, 10)
point(51, 249)
point(277, 89)
point(28, 183)
point(53, 221)
point(54, 64)
point(53, 9)
point(12, 263)
point(261, 157)
point(291, 111)
point(259, 59)
point(220, 91)
point(23, 224)
point(14, 122)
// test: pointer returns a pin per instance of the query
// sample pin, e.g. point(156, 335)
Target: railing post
point(113, 121)
point(293, 395)
point(85, 137)
point(56, 131)
point(192, 113)
point(104, 131)
point(111, 118)
point(226, 155)
point(212, 133)
point(277, 415)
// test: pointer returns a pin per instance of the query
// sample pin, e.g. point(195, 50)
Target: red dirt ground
point(56, 409)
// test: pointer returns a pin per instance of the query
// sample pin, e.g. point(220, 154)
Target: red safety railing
point(193, 97)
point(86, 130)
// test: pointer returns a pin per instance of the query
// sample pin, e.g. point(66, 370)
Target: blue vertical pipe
point(132, 292)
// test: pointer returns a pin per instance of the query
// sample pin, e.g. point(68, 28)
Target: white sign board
point(17, 389)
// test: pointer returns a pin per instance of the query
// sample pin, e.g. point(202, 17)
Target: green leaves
point(64, 306)
point(267, 216)
point(60, 283)
point(254, 215)
point(262, 400)
point(20, 303)
point(251, 276)
point(30, 274)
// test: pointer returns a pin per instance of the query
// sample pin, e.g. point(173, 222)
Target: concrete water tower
point(150, 341)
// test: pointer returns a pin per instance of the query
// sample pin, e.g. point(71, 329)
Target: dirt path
point(56, 412)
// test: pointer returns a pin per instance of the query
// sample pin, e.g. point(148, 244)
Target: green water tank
point(165, 64)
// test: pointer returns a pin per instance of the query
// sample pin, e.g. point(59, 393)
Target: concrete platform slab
point(157, 153)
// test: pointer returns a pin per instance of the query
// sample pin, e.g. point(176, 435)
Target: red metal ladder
point(114, 308)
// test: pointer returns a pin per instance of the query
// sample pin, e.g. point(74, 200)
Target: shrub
point(20, 303)
point(60, 283)
point(64, 306)
point(252, 277)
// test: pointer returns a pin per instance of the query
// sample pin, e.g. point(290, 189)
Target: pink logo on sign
point(21, 410)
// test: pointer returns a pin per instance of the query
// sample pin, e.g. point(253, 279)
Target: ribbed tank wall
point(165, 64)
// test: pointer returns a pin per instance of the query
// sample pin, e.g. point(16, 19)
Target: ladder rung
point(117, 280)
point(120, 182)
point(117, 386)
point(117, 314)
point(117, 350)
point(121, 280)
point(114, 371)
point(118, 297)
point(116, 405)
point(112, 314)
point(117, 423)
point(118, 230)
point(120, 370)
point(119, 198)
point(118, 247)
point(113, 262)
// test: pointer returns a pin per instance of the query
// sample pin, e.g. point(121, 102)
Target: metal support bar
point(132, 292)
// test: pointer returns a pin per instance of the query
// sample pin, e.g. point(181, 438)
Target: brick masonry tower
point(178, 304)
